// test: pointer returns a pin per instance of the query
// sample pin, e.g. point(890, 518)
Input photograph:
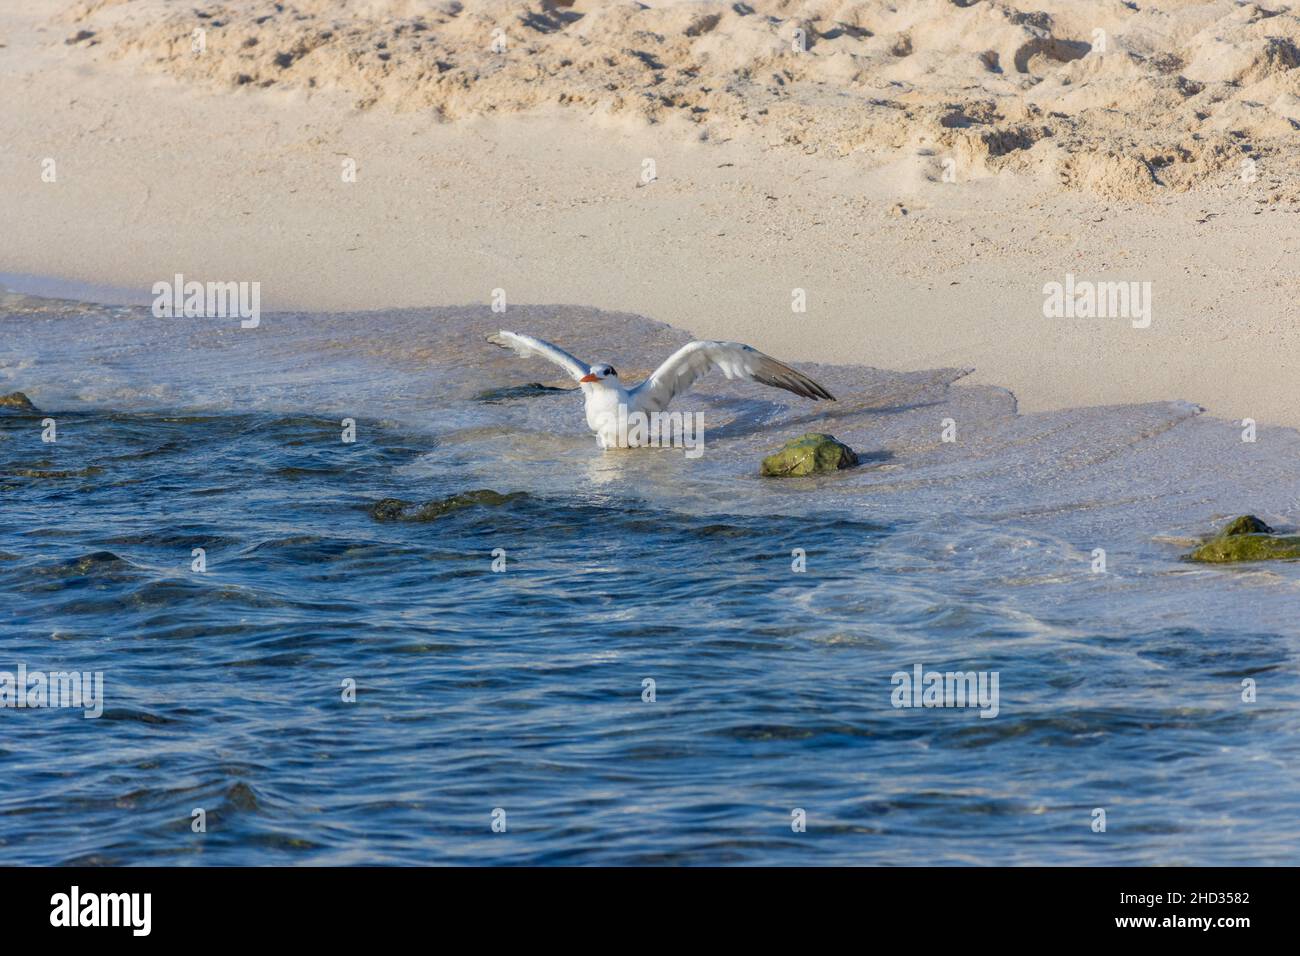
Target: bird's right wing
point(526, 346)
point(691, 362)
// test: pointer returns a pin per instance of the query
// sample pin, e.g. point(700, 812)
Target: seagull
point(610, 404)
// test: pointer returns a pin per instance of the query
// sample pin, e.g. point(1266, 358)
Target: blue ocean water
point(520, 695)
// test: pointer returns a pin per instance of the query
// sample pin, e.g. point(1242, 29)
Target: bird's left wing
point(526, 346)
point(692, 362)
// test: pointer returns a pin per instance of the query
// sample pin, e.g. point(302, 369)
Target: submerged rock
point(495, 396)
point(89, 471)
point(1247, 539)
point(810, 454)
point(395, 509)
point(17, 400)
point(389, 509)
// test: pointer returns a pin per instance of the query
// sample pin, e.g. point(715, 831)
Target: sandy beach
point(915, 176)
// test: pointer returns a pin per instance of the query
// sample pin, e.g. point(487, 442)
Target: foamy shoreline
point(162, 172)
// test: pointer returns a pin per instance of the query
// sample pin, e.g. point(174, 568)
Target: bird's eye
point(609, 370)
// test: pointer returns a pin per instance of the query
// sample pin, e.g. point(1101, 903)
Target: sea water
point(622, 657)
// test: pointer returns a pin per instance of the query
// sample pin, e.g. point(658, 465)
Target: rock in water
point(1246, 524)
point(17, 400)
point(389, 509)
point(810, 454)
point(495, 396)
point(395, 509)
point(1247, 539)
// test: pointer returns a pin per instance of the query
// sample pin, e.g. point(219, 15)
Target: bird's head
point(601, 373)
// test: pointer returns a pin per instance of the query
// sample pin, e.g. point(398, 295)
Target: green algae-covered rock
point(17, 400)
point(1246, 524)
point(1247, 539)
point(810, 454)
point(395, 509)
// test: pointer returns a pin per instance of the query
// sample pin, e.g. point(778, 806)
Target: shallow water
point(522, 689)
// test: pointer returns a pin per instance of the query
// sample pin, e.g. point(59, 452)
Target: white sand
point(522, 171)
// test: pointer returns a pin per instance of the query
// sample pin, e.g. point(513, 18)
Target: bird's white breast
point(603, 416)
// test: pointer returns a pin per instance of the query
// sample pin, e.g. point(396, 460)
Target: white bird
point(605, 395)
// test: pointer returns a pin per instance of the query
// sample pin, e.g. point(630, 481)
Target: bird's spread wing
point(692, 362)
point(526, 346)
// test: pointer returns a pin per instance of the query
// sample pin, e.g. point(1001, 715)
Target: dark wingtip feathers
point(780, 375)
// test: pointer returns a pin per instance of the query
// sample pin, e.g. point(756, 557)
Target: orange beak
point(589, 378)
